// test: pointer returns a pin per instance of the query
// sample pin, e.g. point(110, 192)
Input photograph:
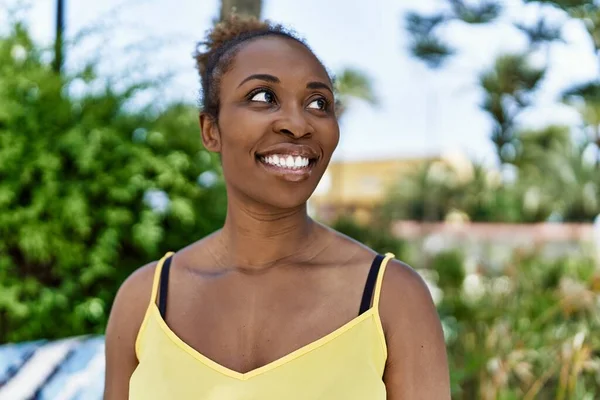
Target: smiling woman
point(274, 305)
point(284, 97)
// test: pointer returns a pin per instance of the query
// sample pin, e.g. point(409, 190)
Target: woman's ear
point(211, 137)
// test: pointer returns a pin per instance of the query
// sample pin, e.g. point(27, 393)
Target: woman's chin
point(283, 201)
point(288, 204)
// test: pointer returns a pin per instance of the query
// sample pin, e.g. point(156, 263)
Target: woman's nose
point(293, 122)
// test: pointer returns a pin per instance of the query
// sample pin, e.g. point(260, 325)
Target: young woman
point(274, 305)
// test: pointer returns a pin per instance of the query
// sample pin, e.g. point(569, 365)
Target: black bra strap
point(164, 287)
point(365, 303)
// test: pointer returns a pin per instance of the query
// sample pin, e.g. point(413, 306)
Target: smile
point(283, 161)
point(288, 167)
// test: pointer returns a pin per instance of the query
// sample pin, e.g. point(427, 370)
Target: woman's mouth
point(289, 167)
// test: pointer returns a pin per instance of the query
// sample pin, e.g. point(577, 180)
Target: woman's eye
point(263, 97)
point(318, 104)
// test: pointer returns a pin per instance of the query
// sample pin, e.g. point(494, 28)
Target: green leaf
point(74, 222)
point(483, 12)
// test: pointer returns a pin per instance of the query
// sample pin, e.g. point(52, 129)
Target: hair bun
point(233, 27)
point(225, 31)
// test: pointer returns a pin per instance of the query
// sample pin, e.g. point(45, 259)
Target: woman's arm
point(417, 365)
point(124, 323)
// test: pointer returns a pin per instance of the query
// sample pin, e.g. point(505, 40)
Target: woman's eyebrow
point(261, 77)
point(318, 85)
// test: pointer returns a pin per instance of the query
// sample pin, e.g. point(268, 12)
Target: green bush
point(91, 188)
point(523, 335)
point(450, 269)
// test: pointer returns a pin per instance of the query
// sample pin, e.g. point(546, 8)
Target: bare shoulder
point(406, 301)
point(133, 298)
point(126, 316)
point(417, 365)
point(403, 286)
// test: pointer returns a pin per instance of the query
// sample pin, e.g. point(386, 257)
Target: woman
point(274, 305)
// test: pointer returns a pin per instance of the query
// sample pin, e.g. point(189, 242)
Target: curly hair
point(215, 54)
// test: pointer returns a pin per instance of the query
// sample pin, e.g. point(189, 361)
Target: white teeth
point(287, 161)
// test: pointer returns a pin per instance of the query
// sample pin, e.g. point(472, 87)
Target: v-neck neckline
point(372, 312)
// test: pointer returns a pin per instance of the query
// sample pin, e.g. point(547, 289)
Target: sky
point(421, 112)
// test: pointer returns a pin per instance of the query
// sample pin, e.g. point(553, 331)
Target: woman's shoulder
point(126, 316)
point(130, 305)
point(401, 273)
point(137, 288)
point(402, 287)
point(408, 314)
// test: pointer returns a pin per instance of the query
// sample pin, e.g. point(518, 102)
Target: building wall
point(492, 245)
point(356, 187)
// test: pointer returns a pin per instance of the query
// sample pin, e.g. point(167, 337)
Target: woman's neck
point(255, 237)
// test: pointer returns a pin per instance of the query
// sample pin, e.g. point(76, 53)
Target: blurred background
point(470, 147)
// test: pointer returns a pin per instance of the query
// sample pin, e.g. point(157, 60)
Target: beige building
point(355, 187)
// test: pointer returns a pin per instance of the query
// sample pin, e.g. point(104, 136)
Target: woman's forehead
point(276, 56)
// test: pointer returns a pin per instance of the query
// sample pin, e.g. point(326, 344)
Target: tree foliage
point(352, 83)
point(541, 32)
point(553, 181)
point(482, 12)
point(507, 89)
point(426, 42)
point(91, 188)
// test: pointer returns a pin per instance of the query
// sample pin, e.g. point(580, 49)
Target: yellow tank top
point(346, 364)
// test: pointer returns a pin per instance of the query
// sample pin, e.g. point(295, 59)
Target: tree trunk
point(58, 43)
point(241, 7)
point(596, 141)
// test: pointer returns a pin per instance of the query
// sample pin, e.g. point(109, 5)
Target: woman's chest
point(245, 323)
point(245, 336)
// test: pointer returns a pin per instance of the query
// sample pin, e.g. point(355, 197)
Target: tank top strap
point(378, 283)
point(157, 275)
point(153, 299)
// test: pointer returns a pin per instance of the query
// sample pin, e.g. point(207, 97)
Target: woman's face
point(277, 127)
